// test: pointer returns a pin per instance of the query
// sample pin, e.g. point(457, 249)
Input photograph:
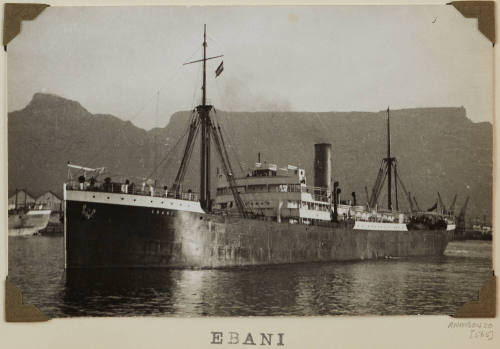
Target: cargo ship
point(270, 215)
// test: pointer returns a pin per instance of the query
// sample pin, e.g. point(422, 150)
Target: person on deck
point(125, 186)
point(81, 180)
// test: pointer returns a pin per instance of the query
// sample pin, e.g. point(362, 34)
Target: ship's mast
point(204, 87)
point(204, 117)
point(389, 163)
point(386, 169)
point(203, 111)
point(208, 130)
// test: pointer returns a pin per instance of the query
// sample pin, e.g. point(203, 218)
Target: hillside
point(438, 149)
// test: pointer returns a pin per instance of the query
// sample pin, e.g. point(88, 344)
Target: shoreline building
point(50, 201)
point(20, 198)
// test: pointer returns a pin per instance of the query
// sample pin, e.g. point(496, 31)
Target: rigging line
point(217, 91)
point(215, 82)
point(229, 175)
point(195, 87)
point(231, 146)
point(171, 152)
point(93, 159)
point(382, 185)
point(148, 101)
point(210, 38)
point(373, 197)
point(223, 129)
point(195, 90)
point(398, 178)
point(235, 153)
point(197, 50)
point(120, 129)
point(379, 183)
point(225, 150)
point(215, 43)
point(171, 75)
point(249, 92)
point(251, 195)
point(173, 72)
point(189, 146)
point(190, 152)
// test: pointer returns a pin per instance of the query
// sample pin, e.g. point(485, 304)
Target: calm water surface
point(436, 285)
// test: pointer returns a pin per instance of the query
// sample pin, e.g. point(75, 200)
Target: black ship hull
point(112, 235)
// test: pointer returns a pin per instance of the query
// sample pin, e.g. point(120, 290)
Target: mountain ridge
point(438, 149)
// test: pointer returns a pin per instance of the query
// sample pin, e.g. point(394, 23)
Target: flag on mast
point(219, 69)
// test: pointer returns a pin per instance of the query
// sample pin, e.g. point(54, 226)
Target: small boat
point(27, 219)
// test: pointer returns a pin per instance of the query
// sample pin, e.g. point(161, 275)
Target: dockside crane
point(416, 203)
point(452, 206)
point(441, 207)
point(367, 196)
point(461, 218)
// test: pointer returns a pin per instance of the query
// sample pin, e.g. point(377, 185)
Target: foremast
point(204, 113)
point(208, 131)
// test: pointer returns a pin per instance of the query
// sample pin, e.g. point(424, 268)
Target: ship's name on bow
point(260, 338)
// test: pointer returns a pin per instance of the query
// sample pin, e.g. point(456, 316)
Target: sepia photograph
point(243, 161)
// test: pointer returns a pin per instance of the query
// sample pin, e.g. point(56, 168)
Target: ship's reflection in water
point(101, 292)
point(396, 286)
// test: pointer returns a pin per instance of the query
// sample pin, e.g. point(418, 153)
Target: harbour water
point(435, 285)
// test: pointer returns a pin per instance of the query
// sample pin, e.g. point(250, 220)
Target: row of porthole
point(161, 212)
point(180, 204)
point(256, 203)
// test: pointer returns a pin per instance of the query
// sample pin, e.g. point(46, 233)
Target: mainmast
point(389, 163)
point(387, 166)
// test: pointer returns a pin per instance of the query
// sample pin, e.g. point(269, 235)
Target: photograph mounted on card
point(250, 161)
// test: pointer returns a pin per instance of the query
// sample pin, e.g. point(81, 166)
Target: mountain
point(438, 149)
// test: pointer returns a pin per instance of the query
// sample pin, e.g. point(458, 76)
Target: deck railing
point(118, 188)
point(318, 193)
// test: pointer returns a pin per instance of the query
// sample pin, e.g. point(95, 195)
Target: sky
point(128, 61)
